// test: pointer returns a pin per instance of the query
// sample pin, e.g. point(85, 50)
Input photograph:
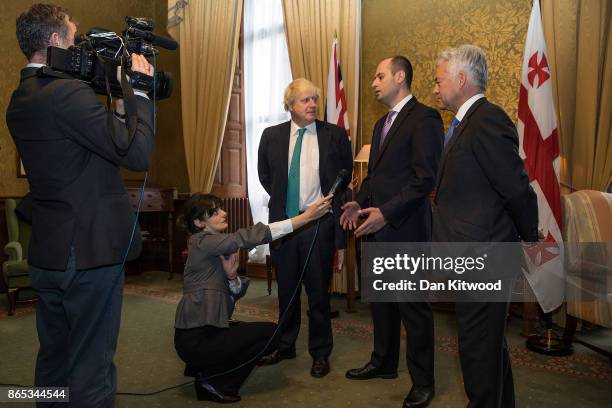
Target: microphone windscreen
point(164, 42)
point(341, 181)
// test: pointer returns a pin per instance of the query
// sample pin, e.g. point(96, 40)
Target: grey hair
point(469, 58)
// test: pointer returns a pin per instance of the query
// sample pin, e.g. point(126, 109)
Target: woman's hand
point(318, 209)
point(230, 265)
point(314, 211)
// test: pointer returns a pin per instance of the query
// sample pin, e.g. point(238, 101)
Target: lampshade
point(363, 155)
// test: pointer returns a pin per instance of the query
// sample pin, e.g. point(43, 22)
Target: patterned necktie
point(386, 127)
point(292, 205)
point(451, 130)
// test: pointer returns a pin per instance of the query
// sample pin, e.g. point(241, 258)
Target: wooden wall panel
point(230, 177)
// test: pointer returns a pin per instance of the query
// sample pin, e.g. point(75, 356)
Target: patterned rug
point(578, 364)
point(590, 366)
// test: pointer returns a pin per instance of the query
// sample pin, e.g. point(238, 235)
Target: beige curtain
point(579, 39)
point(208, 31)
point(310, 26)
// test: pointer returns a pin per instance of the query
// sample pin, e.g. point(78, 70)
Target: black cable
point(148, 394)
point(281, 319)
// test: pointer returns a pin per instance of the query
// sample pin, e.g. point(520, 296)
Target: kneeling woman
point(204, 338)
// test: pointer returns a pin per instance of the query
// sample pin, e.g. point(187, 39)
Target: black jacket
point(402, 174)
point(483, 192)
point(63, 135)
point(273, 167)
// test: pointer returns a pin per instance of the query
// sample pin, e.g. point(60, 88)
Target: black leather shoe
point(275, 357)
point(369, 371)
point(419, 397)
point(207, 392)
point(320, 367)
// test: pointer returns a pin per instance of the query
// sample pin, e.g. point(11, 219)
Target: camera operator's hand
point(139, 64)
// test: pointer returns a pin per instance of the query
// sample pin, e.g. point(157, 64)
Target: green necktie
point(292, 207)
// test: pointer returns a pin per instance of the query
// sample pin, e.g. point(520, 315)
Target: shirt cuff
point(120, 116)
point(141, 93)
point(280, 229)
point(235, 285)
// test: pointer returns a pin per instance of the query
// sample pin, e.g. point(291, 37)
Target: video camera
point(95, 56)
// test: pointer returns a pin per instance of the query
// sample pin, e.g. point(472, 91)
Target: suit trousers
point(77, 319)
point(289, 258)
point(214, 350)
point(483, 352)
point(418, 322)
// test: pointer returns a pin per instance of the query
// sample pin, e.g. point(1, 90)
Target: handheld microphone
point(340, 183)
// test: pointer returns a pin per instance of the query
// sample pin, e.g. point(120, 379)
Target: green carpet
point(146, 359)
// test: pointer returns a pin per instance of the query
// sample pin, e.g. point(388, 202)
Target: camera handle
point(131, 116)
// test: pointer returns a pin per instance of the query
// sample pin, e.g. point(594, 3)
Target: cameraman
point(81, 217)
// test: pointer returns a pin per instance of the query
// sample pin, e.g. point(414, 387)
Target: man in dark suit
point(482, 195)
point(406, 148)
point(298, 162)
point(81, 217)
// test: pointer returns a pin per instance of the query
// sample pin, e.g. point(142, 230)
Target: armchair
point(588, 219)
point(15, 270)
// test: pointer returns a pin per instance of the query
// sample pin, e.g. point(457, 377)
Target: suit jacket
point(63, 135)
point(273, 167)
point(483, 193)
point(207, 300)
point(402, 174)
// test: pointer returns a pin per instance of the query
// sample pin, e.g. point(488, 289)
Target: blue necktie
point(451, 130)
point(292, 205)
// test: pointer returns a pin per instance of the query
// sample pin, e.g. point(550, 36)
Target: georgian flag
point(539, 149)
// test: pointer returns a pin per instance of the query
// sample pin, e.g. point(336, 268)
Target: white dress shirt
point(397, 108)
point(466, 106)
point(310, 183)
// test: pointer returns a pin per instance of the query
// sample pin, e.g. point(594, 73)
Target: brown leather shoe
point(275, 357)
point(320, 367)
point(368, 372)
